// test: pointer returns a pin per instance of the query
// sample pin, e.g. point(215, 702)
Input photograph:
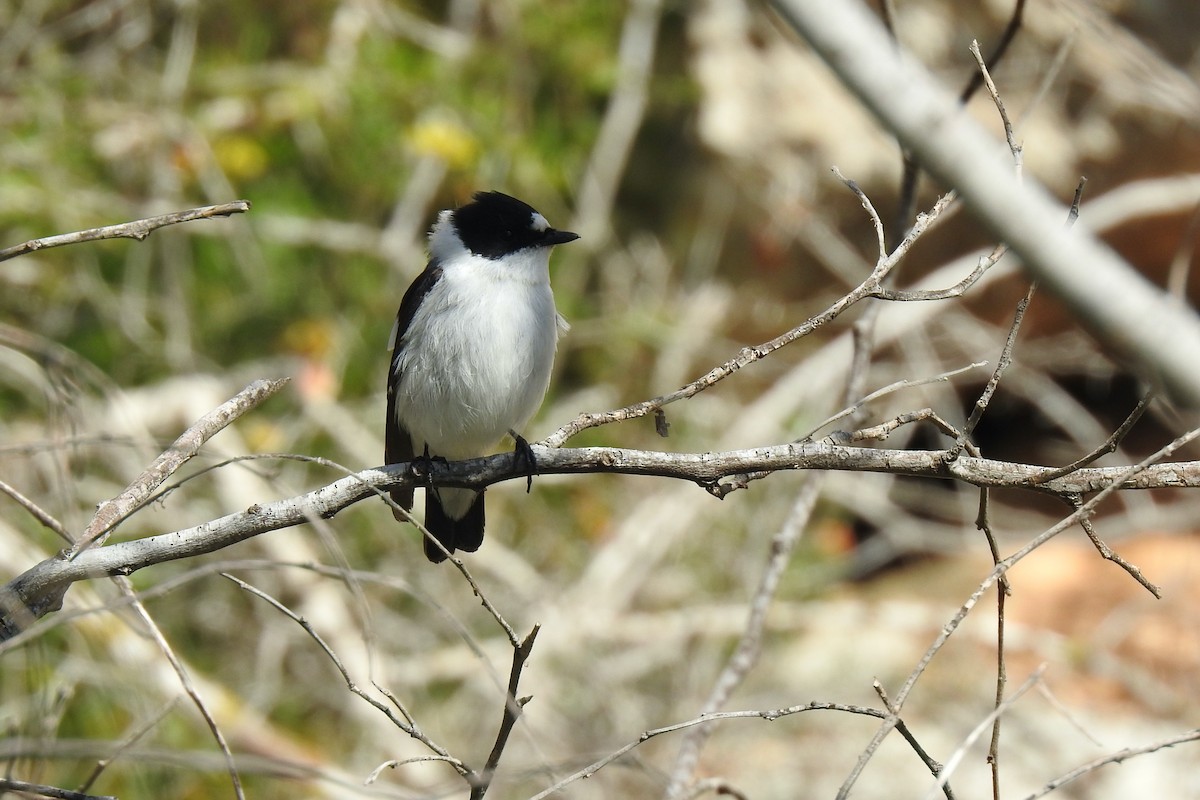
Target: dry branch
point(40, 589)
point(927, 120)
point(138, 229)
point(40, 790)
point(1115, 758)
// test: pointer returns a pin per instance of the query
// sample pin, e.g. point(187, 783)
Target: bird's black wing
point(398, 445)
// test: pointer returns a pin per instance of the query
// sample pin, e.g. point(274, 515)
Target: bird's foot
point(422, 466)
point(523, 455)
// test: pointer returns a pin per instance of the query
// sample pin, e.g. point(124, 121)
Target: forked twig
point(404, 725)
point(872, 286)
point(513, 706)
point(112, 512)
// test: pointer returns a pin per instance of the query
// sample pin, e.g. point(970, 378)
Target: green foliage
point(92, 136)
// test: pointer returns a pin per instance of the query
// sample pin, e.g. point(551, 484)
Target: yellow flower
point(241, 157)
point(445, 139)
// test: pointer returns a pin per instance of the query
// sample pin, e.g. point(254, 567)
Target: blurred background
point(690, 143)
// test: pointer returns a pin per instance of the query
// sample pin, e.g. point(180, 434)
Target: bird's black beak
point(553, 237)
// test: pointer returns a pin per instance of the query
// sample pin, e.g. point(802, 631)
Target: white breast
point(477, 357)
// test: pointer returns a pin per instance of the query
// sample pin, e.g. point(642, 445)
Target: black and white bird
point(472, 351)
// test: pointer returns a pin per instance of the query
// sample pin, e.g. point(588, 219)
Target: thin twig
point(394, 700)
point(137, 229)
point(374, 774)
point(1115, 758)
point(870, 209)
point(1110, 444)
point(1108, 554)
point(957, 756)
point(983, 523)
point(1009, 136)
point(950, 292)
point(128, 742)
point(1002, 364)
point(410, 729)
point(993, 577)
point(37, 512)
point(1006, 39)
point(897, 386)
point(513, 706)
point(885, 429)
point(185, 680)
point(769, 715)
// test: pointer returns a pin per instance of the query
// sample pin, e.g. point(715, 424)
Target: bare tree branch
point(872, 286)
point(138, 229)
point(997, 573)
point(9, 785)
point(955, 149)
point(39, 589)
point(911, 170)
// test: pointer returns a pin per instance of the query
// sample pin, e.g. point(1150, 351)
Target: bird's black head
point(495, 224)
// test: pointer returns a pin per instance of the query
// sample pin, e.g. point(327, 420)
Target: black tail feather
point(454, 534)
point(404, 499)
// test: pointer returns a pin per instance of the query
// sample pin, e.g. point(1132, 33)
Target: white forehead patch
point(538, 223)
